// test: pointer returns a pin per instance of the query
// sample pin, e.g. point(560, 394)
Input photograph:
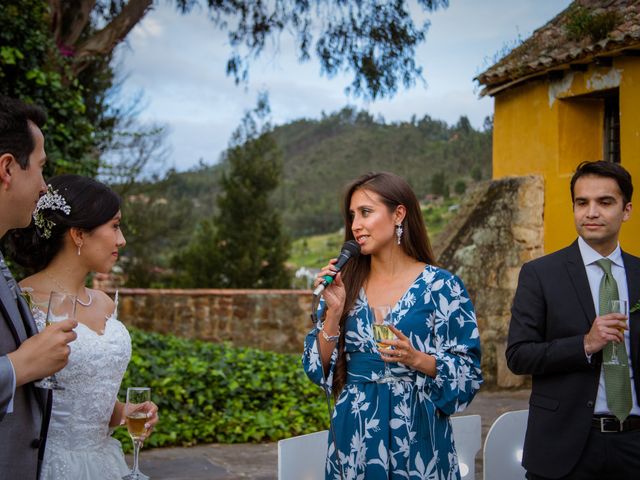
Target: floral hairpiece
point(51, 200)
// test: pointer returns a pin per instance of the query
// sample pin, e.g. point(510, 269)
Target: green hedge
point(218, 393)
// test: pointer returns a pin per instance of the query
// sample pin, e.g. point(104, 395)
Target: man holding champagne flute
point(25, 355)
point(572, 330)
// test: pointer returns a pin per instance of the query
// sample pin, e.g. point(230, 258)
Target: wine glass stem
point(136, 451)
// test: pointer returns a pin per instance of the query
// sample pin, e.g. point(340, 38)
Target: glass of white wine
point(618, 306)
point(135, 410)
point(381, 331)
point(62, 306)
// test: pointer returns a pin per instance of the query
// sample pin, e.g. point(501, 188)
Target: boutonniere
point(28, 298)
point(636, 307)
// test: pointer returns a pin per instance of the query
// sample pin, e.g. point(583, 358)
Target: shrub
point(218, 393)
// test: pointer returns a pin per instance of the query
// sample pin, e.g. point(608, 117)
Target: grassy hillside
point(314, 251)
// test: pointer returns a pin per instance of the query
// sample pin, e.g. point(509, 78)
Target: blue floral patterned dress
point(401, 430)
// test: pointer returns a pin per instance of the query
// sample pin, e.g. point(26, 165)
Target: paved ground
point(260, 462)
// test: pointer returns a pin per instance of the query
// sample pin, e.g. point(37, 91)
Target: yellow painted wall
point(630, 145)
point(547, 128)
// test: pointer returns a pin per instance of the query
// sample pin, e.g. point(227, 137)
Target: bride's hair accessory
point(51, 200)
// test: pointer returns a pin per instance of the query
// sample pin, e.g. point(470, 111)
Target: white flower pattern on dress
point(401, 430)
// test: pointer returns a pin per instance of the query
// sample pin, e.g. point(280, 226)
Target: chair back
point(303, 457)
point(503, 447)
point(467, 432)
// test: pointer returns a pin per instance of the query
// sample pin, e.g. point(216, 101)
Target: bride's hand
point(153, 416)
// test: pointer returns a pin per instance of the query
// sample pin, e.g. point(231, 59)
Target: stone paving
point(260, 461)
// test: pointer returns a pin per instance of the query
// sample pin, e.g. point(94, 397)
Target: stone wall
point(276, 320)
point(499, 227)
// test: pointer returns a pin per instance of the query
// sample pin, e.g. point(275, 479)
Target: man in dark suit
point(583, 423)
point(25, 355)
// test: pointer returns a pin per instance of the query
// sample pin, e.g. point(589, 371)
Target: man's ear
point(627, 212)
point(7, 164)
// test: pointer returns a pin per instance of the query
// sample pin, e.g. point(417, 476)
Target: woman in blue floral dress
point(398, 429)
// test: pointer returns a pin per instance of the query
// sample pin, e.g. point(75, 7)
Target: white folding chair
point(503, 447)
point(303, 457)
point(467, 434)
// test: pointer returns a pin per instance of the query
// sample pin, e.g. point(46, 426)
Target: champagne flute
point(618, 306)
point(62, 306)
point(381, 331)
point(136, 417)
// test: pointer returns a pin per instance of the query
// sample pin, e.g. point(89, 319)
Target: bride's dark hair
point(92, 204)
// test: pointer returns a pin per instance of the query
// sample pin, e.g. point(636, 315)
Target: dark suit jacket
point(552, 311)
point(22, 432)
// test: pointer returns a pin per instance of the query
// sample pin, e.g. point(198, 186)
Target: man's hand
point(44, 353)
point(606, 328)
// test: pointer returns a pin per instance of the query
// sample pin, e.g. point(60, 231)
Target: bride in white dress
point(76, 230)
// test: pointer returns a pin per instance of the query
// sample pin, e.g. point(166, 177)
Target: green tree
point(198, 265)
point(88, 130)
point(248, 248)
point(460, 187)
point(32, 69)
point(439, 184)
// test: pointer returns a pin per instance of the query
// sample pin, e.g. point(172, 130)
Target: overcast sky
point(177, 62)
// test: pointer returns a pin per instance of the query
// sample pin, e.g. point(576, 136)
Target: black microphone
point(350, 249)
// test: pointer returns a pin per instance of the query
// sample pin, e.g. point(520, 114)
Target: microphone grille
point(352, 247)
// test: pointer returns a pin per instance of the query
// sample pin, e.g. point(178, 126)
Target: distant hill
point(320, 157)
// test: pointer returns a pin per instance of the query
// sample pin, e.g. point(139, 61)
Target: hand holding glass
point(618, 306)
point(135, 410)
point(62, 306)
point(381, 331)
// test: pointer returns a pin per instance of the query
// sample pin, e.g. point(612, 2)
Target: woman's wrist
point(329, 335)
point(426, 364)
point(118, 414)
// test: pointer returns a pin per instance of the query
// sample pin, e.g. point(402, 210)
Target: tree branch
point(104, 41)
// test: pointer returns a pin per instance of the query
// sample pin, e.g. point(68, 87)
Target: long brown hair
point(393, 191)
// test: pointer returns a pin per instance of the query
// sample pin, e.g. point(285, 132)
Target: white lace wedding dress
point(79, 442)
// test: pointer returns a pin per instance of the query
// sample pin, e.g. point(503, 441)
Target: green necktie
point(617, 378)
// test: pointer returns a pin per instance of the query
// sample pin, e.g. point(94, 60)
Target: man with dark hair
point(25, 354)
point(584, 416)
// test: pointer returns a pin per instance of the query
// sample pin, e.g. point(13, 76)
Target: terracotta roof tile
point(552, 45)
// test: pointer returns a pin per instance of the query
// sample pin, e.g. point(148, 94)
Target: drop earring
point(399, 231)
point(79, 247)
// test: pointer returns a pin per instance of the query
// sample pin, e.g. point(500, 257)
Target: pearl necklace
point(64, 290)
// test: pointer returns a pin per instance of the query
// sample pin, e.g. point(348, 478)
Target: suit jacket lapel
point(21, 324)
point(31, 329)
point(27, 316)
point(632, 271)
point(578, 276)
point(10, 309)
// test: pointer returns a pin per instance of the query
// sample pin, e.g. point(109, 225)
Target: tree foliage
point(32, 69)
point(88, 130)
point(244, 246)
point(372, 39)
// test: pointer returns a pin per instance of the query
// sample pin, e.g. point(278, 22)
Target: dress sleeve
point(311, 359)
point(457, 349)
